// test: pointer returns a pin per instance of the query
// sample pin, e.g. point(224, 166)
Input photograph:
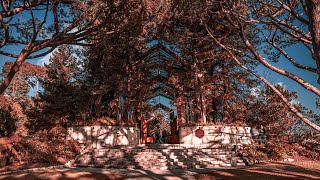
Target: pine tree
point(61, 91)
point(268, 110)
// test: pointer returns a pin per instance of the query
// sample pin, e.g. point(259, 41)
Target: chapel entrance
point(159, 128)
point(161, 109)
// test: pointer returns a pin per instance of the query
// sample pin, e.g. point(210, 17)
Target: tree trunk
point(98, 106)
point(225, 111)
point(14, 69)
point(313, 7)
point(202, 98)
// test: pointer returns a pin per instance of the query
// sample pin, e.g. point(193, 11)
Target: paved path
point(98, 173)
point(266, 171)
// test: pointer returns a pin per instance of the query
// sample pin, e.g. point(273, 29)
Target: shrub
point(9, 114)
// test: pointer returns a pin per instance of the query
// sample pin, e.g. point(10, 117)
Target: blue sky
point(301, 55)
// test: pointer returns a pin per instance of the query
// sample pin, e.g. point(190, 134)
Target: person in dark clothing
point(262, 135)
point(158, 135)
point(254, 133)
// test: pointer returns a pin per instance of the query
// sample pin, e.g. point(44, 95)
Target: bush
point(9, 114)
point(43, 147)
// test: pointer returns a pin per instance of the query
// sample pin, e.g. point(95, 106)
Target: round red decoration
point(199, 133)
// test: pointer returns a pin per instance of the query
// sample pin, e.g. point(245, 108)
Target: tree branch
point(263, 61)
point(281, 96)
point(286, 55)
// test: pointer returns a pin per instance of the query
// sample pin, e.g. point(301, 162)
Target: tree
point(26, 79)
point(239, 18)
point(47, 24)
point(267, 109)
point(19, 102)
point(212, 74)
point(288, 23)
point(61, 94)
point(112, 67)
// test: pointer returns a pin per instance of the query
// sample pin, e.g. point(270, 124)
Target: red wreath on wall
point(199, 133)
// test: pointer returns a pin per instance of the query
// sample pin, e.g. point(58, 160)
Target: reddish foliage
point(10, 112)
point(43, 147)
point(275, 151)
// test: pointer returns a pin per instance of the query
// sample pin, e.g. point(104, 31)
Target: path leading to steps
point(269, 170)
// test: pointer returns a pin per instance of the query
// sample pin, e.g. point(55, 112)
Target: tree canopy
point(215, 46)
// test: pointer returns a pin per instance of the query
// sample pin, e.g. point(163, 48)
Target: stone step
point(216, 165)
point(150, 157)
point(163, 149)
point(182, 166)
point(201, 160)
point(169, 146)
point(162, 157)
point(241, 164)
point(117, 153)
point(164, 163)
point(199, 152)
point(198, 156)
point(131, 159)
point(133, 163)
point(159, 154)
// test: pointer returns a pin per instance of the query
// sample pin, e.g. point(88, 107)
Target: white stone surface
point(99, 136)
point(218, 134)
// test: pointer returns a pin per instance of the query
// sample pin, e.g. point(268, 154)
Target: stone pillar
point(174, 131)
point(180, 111)
point(180, 104)
point(144, 130)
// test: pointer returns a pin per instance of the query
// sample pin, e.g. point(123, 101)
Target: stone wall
point(218, 134)
point(99, 136)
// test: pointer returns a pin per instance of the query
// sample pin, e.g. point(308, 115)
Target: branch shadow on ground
point(264, 171)
point(276, 170)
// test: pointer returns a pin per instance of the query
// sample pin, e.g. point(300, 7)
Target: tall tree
point(38, 27)
point(61, 92)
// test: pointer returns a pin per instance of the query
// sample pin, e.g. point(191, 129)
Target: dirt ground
point(268, 171)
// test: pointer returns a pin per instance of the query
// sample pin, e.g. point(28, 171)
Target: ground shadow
point(264, 171)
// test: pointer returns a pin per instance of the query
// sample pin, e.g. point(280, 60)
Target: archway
point(161, 118)
point(159, 124)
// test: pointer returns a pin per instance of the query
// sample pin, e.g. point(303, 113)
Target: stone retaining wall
point(99, 136)
point(218, 134)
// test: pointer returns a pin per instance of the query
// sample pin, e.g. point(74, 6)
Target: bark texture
point(313, 7)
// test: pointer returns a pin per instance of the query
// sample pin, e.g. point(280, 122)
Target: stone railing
point(217, 134)
point(100, 136)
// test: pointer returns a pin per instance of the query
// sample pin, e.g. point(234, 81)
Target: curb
point(33, 169)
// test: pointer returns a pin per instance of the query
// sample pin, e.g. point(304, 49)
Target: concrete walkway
point(99, 173)
point(264, 171)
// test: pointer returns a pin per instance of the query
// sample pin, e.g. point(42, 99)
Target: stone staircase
point(164, 156)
